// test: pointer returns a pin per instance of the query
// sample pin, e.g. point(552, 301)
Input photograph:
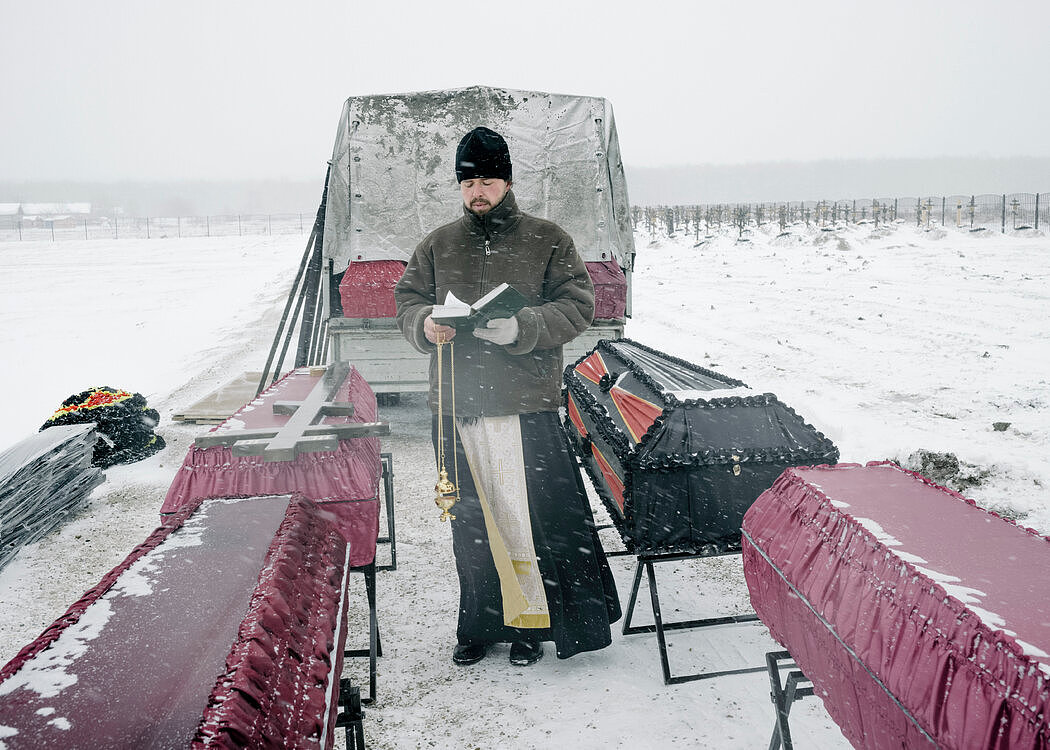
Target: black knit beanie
point(483, 153)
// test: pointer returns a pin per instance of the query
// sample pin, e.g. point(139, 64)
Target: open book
point(501, 302)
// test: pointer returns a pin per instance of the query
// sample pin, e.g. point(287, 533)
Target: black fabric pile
point(123, 421)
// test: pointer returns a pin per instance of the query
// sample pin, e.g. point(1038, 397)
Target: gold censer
point(447, 491)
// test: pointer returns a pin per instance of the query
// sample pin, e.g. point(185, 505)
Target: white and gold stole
point(493, 449)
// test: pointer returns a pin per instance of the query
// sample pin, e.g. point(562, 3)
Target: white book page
point(453, 307)
point(490, 296)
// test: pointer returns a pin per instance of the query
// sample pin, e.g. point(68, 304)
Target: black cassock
point(580, 590)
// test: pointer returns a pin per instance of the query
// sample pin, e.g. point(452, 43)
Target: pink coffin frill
point(921, 619)
point(345, 481)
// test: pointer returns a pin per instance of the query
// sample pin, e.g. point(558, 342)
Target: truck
point(391, 181)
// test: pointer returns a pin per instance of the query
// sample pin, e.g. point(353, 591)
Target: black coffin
point(678, 452)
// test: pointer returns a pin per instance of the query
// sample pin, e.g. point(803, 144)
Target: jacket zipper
point(484, 279)
point(485, 265)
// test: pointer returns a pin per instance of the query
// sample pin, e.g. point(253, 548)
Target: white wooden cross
point(299, 434)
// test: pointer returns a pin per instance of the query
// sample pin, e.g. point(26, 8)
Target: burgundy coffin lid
point(222, 629)
point(610, 289)
point(919, 616)
point(344, 481)
point(367, 288)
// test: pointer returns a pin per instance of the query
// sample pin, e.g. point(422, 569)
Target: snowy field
point(889, 340)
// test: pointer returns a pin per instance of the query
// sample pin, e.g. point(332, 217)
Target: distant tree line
point(1003, 212)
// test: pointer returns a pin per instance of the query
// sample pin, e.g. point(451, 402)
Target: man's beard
point(484, 205)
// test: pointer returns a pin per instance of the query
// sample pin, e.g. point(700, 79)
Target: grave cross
point(299, 434)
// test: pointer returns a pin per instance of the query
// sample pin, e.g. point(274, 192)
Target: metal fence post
point(821, 214)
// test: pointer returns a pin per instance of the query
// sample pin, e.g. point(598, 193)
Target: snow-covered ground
point(889, 340)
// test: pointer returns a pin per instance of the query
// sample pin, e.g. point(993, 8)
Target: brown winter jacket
point(469, 257)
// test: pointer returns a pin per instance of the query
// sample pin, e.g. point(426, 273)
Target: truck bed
point(390, 364)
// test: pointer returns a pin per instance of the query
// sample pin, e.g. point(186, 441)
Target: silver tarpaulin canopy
point(393, 178)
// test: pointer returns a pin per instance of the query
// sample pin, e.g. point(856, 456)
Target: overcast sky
point(228, 89)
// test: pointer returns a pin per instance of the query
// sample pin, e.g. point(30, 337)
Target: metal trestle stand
point(784, 694)
point(388, 501)
point(646, 562)
point(351, 716)
point(375, 646)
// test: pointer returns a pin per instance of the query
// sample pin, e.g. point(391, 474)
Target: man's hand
point(502, 331)
point(436, 333)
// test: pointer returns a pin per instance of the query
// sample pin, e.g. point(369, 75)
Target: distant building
point(46, 214)
point(54, 211)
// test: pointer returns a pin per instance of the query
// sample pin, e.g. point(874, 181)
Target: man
point(531, 568)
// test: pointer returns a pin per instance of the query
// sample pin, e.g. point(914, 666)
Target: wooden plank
point(218, 405)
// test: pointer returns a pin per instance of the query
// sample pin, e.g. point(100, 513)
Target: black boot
point(468, 653)
point(524, 653)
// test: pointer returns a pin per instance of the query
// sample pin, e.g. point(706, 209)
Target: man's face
point(482, 193)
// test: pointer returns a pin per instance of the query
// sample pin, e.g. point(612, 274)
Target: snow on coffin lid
point(185, 644)
point(678, 452)
point(345, 481)
point(921, 619)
